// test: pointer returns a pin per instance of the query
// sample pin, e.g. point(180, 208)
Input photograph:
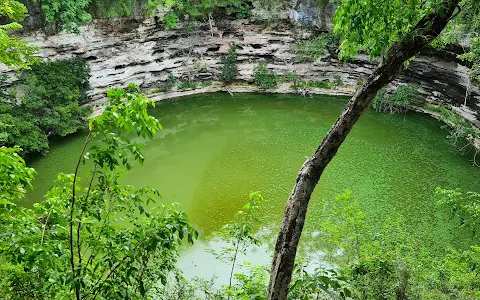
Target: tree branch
point(426, 30)
point(72, 209)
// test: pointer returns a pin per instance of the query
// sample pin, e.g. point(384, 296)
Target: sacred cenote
point(216, 148)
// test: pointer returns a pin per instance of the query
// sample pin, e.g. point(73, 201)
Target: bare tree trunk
point(312, 169)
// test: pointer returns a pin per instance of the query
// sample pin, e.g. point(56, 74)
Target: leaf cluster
point(14, 52)
point(51, 94)
point(465, 206)
point(264, 77)
point(229, 69)
point(389, 262)
point(92, 237)
point(189, 10)
point(308, 285)
point(372, 26)
point(311, 49)
point(403, 97)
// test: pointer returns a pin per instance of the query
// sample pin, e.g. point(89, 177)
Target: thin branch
point(84, 204)
point(44, 227)
point(72, 208)
point(115, 267)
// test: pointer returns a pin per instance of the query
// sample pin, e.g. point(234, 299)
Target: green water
point(216, 148)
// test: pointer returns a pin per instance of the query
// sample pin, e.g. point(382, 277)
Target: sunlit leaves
point(68, 15)
point(240, 233)
point(118, 245)
point(15, 176)
point(465, 205)
point(125, 116)
point(13, 9)
point(374, 25)
point(14, 52)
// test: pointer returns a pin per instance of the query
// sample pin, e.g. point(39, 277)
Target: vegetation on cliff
point(50, 97)
point(94, 238)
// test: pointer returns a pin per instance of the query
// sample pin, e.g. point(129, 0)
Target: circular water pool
point(215, 149)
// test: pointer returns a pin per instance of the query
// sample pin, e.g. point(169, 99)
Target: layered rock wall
point(142, 52)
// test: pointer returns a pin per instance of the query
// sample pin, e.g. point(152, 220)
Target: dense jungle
point(238, 149)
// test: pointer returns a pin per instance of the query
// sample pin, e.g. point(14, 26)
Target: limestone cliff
point(141, 51)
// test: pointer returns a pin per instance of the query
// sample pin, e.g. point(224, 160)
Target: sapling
point(239, 235)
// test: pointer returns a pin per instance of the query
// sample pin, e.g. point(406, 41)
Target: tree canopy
point(14, 52)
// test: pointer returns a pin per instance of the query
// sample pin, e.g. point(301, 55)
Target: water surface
point(215, 149)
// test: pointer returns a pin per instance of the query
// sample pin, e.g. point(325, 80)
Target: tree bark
point(421, 35)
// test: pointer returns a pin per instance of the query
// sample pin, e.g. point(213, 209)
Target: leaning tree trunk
point(422, 34)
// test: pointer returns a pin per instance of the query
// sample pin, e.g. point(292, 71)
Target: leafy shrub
point(314, 84)
point(292, 76)
point(390, 263)
point(53, 92)
point(310, 50)
point(229, 69)
point(170, 83)
point(466, 206)
point(264, 77)
point(399, 101)
point(337, 81)
point(158, 90)
point(238, 8)
point(461, 133)
point(67, 15)
point(103, 242)
point(198, 10)
point(199, 66)
point(205, 83)
point(473, 56)
point(187, 85)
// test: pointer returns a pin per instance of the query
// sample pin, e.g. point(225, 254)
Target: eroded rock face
point(142, 52)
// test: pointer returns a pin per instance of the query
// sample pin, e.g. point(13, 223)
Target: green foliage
point(466, 206)
point(250, 284)
point(264, 77)
point(15, 177)
point(95, 238)
point(206, 83)
point(311, 49)
point(197, 10)
point(181, 288)
point(199, 66)
point(229, 70)
point(292, 76)
point(118, 8)
point(373, 26)
point(238, 8)
point(462, 134)
point(465, 29)
point(14, 52)
point(187, 85)
point(391, 263)
point(320, 283)
point(399, 101)
point(240, 233)
point(67, 15)
point(314, 84)
point(19, 130)
point(337, 81)
point(52, 94)
point(473, 56)
point(158, 90)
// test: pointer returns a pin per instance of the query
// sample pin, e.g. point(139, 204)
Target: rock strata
point(121, 52)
